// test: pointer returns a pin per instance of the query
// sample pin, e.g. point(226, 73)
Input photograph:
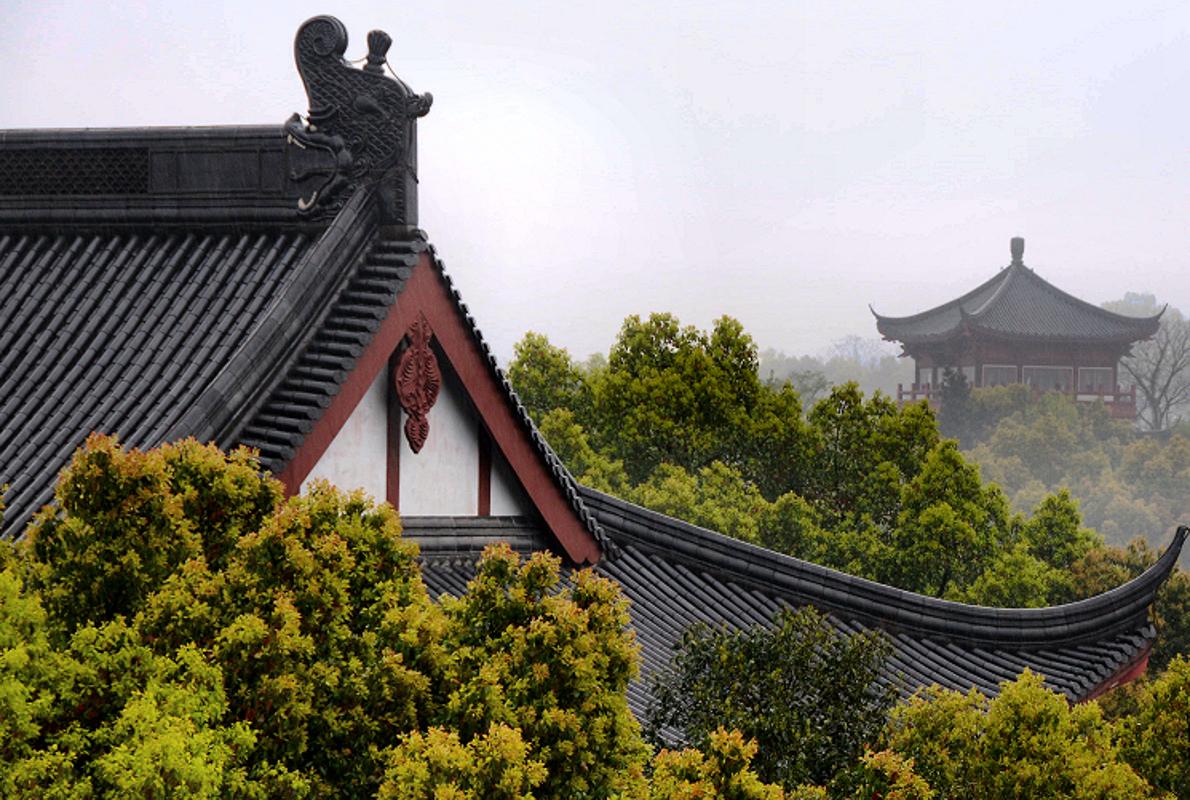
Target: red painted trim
point(392, 476)
point(426, 293)
point(485, 472)
point(1127, 675)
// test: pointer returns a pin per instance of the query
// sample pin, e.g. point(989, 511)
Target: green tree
point(303, 657)
point(716, 497)
point(571, 443)
point(1014, 579)
point(950, 526)
point(674, 394)
point(547, 378)
point(1028, 742)
point(1035, 570)
point(1156, 738)
point(862, 453)
point(807, 694)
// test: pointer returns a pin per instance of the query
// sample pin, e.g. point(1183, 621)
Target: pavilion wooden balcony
point(1120, 402)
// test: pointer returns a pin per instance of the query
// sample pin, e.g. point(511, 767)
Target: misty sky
point(785, 163)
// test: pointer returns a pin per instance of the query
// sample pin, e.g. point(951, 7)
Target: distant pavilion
point(1019, 328)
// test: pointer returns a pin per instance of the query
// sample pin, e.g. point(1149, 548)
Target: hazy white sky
point(785, 163)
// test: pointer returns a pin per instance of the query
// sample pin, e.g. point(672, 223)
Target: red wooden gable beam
point(426, 294)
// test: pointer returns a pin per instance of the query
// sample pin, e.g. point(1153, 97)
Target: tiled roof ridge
point(1018, 271)
point(230, 175)
point(291, 320)
point(1009, 277)
point(299, 394)
point(572, 490)
point(1122, 608)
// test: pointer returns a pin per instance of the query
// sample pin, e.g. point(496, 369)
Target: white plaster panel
point(508, 498)
point(443, 479)
point(358, 456)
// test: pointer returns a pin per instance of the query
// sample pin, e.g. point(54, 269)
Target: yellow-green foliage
point(126, 520)
point(495, 765)
point(1156, 737)
point(723, 772)
point(175, 629)
point(887, 775)
point(554, 664)
point(1028, 742)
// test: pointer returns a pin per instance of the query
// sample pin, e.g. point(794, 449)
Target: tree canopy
point(173, 627)
point(806, 694)
point(678, 420)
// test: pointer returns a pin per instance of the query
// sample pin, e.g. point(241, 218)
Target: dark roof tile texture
point(300, 398)
point(1018, 304)
point(714, 580)
point(118, 332)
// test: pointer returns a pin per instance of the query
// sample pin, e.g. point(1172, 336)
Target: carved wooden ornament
point(418, 381)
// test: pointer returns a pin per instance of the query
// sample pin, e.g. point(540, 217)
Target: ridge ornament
point(360, 129)
point(418, 380)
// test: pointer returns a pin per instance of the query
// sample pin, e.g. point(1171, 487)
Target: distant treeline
point(873, 365)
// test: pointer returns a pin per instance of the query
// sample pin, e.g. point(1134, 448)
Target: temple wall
point(443, 479)
point(508, 499)
point(357, 456)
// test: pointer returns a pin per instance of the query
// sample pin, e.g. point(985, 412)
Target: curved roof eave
point(948, 305)
point(981, 307)
point(1084, 620)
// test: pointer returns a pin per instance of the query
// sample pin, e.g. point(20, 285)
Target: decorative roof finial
point(362, 125)
point(378, 44)
point(1017, 248)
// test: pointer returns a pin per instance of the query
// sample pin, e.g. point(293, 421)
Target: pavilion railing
point(1120, 401)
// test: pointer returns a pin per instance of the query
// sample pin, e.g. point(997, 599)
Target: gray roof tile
point(1018, 304)
point(714, 580)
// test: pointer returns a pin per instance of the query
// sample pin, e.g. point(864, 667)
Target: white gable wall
point(358, 455)
point(442, 479)
point(508, 498)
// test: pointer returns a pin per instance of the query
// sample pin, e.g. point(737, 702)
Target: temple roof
point(220, 283)
point(236, 284)
point(158, 330)
point(676, 574)
point(1017, 303)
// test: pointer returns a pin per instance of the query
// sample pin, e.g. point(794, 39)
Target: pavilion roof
point(1018, 304)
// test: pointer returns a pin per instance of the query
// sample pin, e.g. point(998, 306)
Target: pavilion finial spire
point(1017, 248)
